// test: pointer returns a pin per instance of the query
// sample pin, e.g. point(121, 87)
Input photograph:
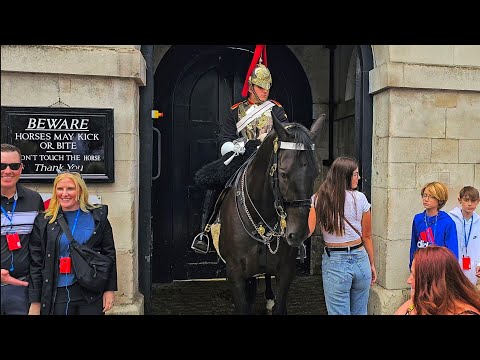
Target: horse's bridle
point(279, 201)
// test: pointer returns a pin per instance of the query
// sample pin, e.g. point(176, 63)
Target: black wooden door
point(195, 89)
point(202, 96)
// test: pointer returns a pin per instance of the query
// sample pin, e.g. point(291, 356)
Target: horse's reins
point(279, 201)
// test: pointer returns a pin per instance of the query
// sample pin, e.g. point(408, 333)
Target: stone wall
point(426, 116)
point(101, 77)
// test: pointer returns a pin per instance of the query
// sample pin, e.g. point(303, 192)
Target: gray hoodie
point(473, 248)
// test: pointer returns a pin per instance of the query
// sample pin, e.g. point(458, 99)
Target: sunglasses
point(66, 171)
point(13, 166)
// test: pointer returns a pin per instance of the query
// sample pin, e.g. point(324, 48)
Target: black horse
point(264, 215)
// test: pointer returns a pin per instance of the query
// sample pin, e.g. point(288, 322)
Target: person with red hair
point(439, 286)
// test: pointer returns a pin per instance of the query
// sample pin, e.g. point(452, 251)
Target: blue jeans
point(346, 281)
point(15, 300)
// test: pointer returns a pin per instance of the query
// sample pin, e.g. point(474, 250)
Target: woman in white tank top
point(344, 217)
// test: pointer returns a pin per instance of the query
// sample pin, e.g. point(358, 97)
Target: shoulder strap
point(276, 102)
point(65, 228)
point(234, 106)
point(247, 119)
point(348, 222)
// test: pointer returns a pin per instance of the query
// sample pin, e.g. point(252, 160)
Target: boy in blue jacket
point(433, 226)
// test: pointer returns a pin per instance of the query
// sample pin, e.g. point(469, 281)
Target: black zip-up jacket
point(44, 251)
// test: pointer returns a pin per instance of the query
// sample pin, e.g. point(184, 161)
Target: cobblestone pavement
point(213, 297)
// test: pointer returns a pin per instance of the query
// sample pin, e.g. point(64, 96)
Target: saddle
point(212, 225)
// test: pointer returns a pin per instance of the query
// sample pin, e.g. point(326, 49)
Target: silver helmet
point(261, 77)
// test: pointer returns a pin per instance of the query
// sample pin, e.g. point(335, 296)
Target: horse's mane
point(302, 135)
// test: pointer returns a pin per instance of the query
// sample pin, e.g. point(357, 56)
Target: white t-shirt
point(356, 204)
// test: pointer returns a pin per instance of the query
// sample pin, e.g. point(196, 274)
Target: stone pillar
point(426, 115)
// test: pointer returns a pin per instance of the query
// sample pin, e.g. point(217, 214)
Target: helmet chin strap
point(259, 102)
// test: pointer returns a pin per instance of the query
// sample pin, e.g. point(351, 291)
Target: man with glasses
point(20, 206)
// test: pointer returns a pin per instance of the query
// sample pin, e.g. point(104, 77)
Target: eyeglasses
point(428, 197)
point(13, 166)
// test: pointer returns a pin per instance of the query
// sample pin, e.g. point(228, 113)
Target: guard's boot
point(200, 242)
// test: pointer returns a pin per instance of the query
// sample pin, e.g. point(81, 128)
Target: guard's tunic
point(261, 125)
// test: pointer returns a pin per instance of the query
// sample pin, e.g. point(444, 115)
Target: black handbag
point(91, 268)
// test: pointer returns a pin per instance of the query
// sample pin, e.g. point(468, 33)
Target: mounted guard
point(242, 131)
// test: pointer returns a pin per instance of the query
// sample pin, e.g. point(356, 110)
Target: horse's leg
point(237, 282)
point(283, 279)
point(269, 295)
point(251, 291)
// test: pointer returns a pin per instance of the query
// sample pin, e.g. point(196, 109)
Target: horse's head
point(294, 175)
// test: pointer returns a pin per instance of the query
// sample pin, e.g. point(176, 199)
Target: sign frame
point(98, 118)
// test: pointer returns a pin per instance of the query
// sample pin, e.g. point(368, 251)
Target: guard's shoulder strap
point(276, 102)
point(235, 105)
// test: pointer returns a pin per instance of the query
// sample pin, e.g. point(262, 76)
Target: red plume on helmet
point(260, 52)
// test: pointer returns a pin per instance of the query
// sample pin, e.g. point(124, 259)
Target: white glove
point(237, 146)
point(227, 147)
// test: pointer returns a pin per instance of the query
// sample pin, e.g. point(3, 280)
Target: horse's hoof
point(270, 304)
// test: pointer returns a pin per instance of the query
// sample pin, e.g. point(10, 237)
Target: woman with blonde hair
point(54, 288)
point(439, 286)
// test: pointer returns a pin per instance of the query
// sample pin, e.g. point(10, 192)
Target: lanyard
point(13, 211)
point(467, 239)
point(426, 224)
point(75, 222)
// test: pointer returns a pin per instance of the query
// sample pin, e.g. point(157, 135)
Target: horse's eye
point(284, 175)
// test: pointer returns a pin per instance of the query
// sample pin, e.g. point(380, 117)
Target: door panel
point(205, 91)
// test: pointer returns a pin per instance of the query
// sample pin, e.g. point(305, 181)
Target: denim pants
point(15, 300)
point(346, 281)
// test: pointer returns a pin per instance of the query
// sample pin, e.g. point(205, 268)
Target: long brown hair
point(331, 195)
point(440, 284)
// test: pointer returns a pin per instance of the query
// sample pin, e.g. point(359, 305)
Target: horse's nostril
point(292, 236)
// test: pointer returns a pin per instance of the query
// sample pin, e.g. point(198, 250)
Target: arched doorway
point(194, 87)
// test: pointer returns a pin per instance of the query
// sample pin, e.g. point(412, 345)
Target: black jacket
point(44, 251)
point(29, 204)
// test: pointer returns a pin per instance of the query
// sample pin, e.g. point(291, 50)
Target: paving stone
point(213, 297)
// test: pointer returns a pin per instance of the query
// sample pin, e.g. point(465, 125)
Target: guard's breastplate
point(261, 125)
